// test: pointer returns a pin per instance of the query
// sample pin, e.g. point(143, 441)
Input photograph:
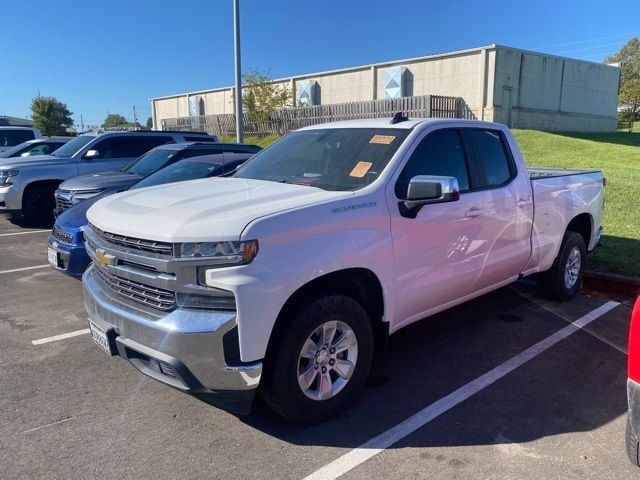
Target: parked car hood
point(100, 181)
point(75, 218)
point(32, 161)
point(211, 209)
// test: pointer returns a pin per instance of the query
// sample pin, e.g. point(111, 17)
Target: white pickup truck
point(288, 277)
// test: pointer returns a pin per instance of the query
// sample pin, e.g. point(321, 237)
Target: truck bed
point(536, 173)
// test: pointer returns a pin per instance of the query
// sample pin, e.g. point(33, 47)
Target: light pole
point(236, 45)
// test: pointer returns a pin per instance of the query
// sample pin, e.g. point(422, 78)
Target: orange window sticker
point(361, 169)
point(382, 139)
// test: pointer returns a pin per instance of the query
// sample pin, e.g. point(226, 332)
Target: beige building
point(520, 88)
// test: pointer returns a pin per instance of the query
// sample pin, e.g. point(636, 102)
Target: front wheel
point(321, 360)
point(562, 281)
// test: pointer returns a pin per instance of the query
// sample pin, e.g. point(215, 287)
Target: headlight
point(82, 195)
point(5, 176)
point(219, 254)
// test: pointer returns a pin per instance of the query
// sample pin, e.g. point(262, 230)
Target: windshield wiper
point(295, 182)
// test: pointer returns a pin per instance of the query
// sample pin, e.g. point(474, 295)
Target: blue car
point(66, 250)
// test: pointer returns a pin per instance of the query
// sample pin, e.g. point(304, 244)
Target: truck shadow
point(577, 385)
point(616, 138)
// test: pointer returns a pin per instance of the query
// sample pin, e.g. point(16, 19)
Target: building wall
point(542, 92)
point(519, 88)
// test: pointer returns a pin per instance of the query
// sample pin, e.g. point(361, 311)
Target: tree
point(262, 97)
point(114, 120)
point(629, 58)
point(149, 122)
point(50, 115)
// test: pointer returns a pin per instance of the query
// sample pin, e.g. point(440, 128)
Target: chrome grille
point(155, 297)
point(162, 248)
point(62, 204)
point(64, 237)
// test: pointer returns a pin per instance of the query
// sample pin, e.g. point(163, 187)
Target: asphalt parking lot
point(501, 387)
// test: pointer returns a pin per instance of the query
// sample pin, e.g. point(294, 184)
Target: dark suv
point(75, 190)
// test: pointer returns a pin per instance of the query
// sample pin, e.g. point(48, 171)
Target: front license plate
point(53, 256)
point(100, 337)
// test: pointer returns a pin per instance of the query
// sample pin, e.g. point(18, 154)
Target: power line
point(585, 41)
point(598, 54)
point(590, 48)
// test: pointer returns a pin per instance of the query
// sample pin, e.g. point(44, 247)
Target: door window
point(491, 158)
point(440, 153)
point(129, 146)
point(9, 138)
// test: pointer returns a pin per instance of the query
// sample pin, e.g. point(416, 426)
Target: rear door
point(501, 210)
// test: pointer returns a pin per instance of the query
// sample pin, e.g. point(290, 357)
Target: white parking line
point(369, 449)
point(22, 233)
point(23, 269)
point(55, 338)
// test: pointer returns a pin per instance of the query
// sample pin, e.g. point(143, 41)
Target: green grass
point(618, 156)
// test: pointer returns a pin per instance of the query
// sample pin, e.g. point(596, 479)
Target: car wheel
point(562, 281)
point(321, 360)
point(38, 204)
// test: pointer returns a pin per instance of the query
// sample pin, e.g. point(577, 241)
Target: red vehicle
point(633, 387)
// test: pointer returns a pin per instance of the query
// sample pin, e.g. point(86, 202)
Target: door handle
point(474, 212)
point(523, 202)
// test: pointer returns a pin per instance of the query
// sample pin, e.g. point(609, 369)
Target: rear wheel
point(38, 204)
point(562, 281)
point(320, 361)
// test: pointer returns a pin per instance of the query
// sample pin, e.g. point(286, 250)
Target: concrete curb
point(612, 283)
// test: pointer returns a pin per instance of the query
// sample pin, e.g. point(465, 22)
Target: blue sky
point(111, 55)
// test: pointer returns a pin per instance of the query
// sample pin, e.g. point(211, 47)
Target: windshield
point(72, 147)
point(331, 159)
point(14, 151)
point(151, 162)
point(190, 169)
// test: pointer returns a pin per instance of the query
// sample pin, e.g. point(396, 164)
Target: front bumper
point(72, 260)
point(10, 203)
point(184, 349)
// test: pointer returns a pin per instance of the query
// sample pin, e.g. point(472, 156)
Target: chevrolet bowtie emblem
point(104, 259)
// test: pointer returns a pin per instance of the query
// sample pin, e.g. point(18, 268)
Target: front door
point(436, 260)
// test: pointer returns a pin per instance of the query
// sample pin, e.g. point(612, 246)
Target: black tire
point(633, 446)
point(552, 283)
point(38, 204)
point(279, 386)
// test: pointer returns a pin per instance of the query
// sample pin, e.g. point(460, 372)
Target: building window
point(196, 106)
point(393, 82)
point(305, 93)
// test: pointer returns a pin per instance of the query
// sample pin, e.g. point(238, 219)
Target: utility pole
point(135, 119)
point(81, 123)
point(236, 47)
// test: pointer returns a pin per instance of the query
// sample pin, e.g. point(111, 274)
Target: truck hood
point(100, 181)
point(32, 161)
point(211, 209)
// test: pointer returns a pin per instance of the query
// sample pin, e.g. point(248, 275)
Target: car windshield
point(72, 147)
point(331, 159)
point(14, 151)
point(189, 169)
point(151, 161)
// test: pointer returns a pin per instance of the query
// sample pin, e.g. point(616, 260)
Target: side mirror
point(92, 154)
point(428, 189)
point(25, 154)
